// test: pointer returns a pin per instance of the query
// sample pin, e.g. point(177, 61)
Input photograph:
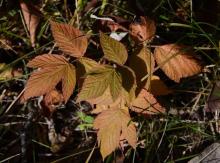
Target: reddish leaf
point(145, 103)
point(176, 61)
point(53, 69)
point(143, 30)
point(113, 124)
point(31, 19)
point(69, 39)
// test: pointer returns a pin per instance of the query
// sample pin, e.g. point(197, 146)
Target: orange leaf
point(69, 39)
point(176, 61)
point(143, 30)
point(158, 87)
point(31, 19)
point(112, 124)
point(145, 103)
point(53, 69)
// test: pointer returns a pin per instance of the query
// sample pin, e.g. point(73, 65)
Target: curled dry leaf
point(158, 87)
point(112, 124)
point(51, 99)
point(53, 69)
point(145, 103)
point(143, 30)
point(177, 61)
point(31, 19)
point(71, 40)
point(113, 49)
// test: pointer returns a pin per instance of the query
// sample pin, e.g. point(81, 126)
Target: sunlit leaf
point(53, 69)
point(98, 80)
point(113, 49)
point(112, 124)
point(176, 61)
point(71, 40)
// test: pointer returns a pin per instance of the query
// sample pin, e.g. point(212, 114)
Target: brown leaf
point(31, 19)
point(111, 124)
point(143, 30)
point(145, 103)
point(53, 69)
point(143, 61)
point(69, 39)
point(158, 87)
point(176, 61)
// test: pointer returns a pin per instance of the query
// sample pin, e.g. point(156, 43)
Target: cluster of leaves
point(113, 84)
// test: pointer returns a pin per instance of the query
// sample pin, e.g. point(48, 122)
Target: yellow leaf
point(176, 61)
point(113, 124)
point(113, 49)
point(53, 69)
point(142, 64)
point(71, 40)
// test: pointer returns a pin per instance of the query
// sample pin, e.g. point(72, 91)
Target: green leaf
point(128, 82)
point(98, 80)
point(88, 63)
point(113, 49)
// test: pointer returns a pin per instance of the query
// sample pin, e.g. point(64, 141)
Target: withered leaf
point(112, 124)
point(177, 61)
point(71, 40)
point(53, 69)
point(143, 64)
point(113, 49)
point(145, 103)
point(213, 102)
point(158, 87)
point(31, 19)
point(98, 80)
point(143, 30)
